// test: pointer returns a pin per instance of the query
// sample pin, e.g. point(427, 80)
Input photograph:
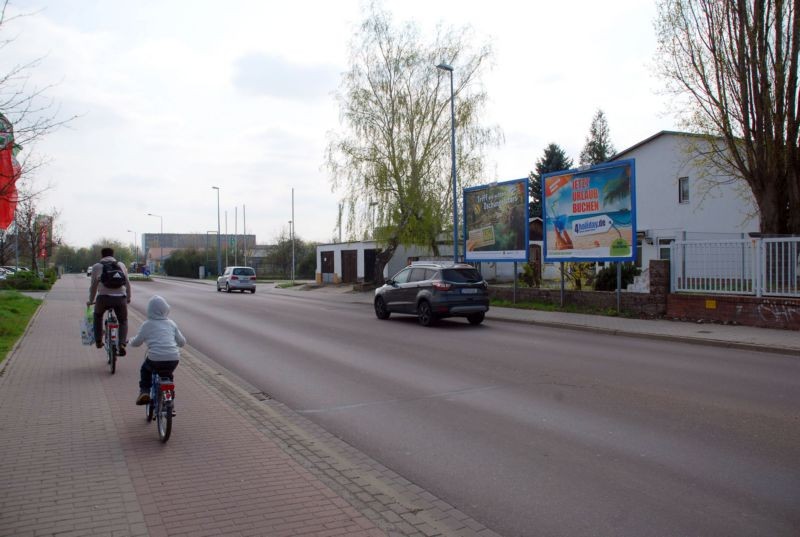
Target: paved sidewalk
point(77, 457)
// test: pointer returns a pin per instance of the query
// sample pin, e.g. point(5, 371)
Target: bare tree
point(393, 161)
point(735, 65)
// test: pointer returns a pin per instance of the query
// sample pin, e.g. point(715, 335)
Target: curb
point(755, 347)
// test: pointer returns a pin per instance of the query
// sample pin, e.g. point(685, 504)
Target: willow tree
point(392, 160)
point(735, 64)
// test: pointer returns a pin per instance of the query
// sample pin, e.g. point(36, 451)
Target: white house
point(678, 197)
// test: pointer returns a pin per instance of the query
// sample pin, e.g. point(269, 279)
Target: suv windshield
point(461, 275)
point(244, 272)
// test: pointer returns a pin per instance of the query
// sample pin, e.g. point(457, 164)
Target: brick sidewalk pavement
point(77, 457)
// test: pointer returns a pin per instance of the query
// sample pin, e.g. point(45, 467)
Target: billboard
point(590, 215)
point(496, 222)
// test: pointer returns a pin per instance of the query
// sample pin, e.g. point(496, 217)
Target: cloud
point(264, 75)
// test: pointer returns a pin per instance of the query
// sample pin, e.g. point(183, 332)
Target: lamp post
point(219, 246)
point(449, 69)
point(135, 248)
point(372, 206)
point(292, 224)
point(160, 241)
point(291, 237)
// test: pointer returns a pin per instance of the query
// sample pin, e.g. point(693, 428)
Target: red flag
point(9, 173)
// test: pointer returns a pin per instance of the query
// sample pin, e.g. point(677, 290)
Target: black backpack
point(112, 277)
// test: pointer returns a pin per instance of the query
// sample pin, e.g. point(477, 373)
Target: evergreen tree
point(554, 159)
point(598, 146)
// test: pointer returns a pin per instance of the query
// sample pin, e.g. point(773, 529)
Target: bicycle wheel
point(111, 350)
point(164, 418)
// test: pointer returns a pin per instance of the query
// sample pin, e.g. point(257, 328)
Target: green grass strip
point(16, 311)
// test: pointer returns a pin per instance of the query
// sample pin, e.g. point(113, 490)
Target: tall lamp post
point(291, 236)
point(292, 224)
point(449, 69)
point(219, 246)
point(160, 241)
point(135, 248)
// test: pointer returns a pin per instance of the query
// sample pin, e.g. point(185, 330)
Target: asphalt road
point(532, 431)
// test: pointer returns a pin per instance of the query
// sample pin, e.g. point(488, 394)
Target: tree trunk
point(382, 259)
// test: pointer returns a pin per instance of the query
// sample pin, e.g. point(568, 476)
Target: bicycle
point(162, 404)
point(111, 339)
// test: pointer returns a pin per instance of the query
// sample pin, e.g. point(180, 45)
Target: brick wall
point(765, 312)
point(652, 305)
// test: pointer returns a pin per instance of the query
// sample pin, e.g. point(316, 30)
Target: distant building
point(241, 244)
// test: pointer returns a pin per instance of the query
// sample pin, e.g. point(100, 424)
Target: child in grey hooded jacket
point(163, 338)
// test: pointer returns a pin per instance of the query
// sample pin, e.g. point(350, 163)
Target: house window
point(683, 190)
point(663, 248)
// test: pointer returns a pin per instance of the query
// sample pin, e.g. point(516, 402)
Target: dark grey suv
point(433, 290)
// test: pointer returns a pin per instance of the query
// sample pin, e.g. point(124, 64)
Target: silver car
point(237, 279)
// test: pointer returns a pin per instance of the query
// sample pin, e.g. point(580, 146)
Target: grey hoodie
point(160, 333)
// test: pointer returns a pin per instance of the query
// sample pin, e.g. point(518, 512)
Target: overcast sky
point(176, 96)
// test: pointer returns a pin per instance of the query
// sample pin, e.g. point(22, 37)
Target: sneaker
point(98, 344)
point(143, 398)
point(122, 351)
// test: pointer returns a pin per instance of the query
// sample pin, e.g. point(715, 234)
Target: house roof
point(653, 137)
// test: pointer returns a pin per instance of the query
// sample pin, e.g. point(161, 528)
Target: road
point(532, 431)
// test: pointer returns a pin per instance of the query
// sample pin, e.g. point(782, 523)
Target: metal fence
point(760, 267)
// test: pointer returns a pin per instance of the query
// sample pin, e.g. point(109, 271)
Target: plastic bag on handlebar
point(87, 327)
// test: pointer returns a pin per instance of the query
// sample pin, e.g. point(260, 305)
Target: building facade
point(680, 197)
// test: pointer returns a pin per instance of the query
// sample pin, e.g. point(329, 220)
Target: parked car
point(434, 290)
point(238, 279)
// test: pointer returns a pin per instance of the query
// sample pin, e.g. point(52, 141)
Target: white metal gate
point(760, 267)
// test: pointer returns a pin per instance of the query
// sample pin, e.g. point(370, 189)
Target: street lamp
point(219, 246)
point(160, 241)
point(449, 69)
point(291, 223)
point(135, 248)
point(291, 235)
point(372, 206)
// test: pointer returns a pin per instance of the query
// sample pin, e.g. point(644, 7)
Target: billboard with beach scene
point(590, 214)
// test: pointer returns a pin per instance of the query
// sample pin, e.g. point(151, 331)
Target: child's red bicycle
point(162, 404)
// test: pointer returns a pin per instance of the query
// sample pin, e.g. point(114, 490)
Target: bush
point(606, 279)
point(531, 275)
point(25, 280)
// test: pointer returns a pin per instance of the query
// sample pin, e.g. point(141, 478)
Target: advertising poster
point(496, 222)
point(590, 215)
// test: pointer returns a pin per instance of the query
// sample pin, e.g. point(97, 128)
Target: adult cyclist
point(110, 289)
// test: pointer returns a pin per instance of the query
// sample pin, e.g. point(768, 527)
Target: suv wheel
point(425, 314)
point(476, 318)
point(381, 311)
point(227, 288)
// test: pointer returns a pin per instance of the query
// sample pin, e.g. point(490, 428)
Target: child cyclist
point(163, 339)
